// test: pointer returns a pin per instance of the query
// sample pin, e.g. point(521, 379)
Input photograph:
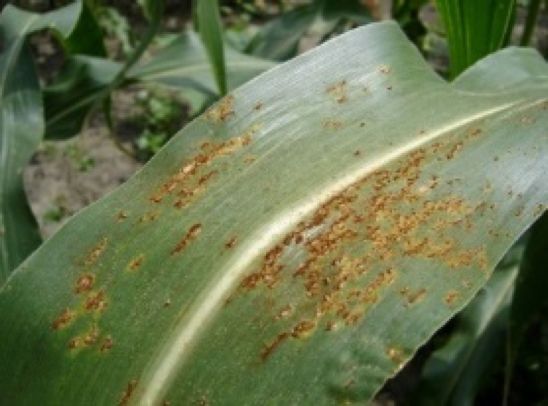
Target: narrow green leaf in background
point(21, 116)
point(85, 81)
point(530, 291)
point(210, 29)
point(21, 128)
point(474, 29)
point(150, 8)
point(82, 83)
point(183, 64)
point(86, 37)
point(279, 38)
point(530, 22)
point(454, 372)
point(73, 25)
point(533, 278)
point(194, 15)
point(352, 10)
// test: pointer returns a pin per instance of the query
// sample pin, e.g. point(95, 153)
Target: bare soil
point(64, 177)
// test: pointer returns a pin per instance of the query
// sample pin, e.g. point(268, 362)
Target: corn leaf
point(279, 38)
point(21, 128)
point(529, 295)
point(210, 29)
point(475, 28)
point(295, 244)
point(81, 84)
point(454, 372)
point(21, 118)
point(73, 25)
point(183, 64)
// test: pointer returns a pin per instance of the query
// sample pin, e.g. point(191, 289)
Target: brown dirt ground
point(63, 177)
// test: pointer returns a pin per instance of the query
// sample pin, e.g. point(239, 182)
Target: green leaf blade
point(82, 83)
point(531, 283)
point(183, 64)
point(21, 115)
point(454, 371)
point(474, 29)
point(21, 125)
point(210, 29)
point(279, 38)
point(310, 230)
point(74, 25)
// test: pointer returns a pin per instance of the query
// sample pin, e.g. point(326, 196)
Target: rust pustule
point(136, 262)
point(371, 291)
point(128, 392)
point(384, 69)
point(74, 343)
point(231, 242)
point(190, 235)
point(96, 252)
point(338, 91)
point(190, 180)
point(300, 330)
point(202, 401)
point(222, 111)
point(474, 132)
point(527, 120)
point(303, 328)
point(269, 272)
point(455, 149)
point(332, 124)
point(63, 319)
point(331, 325)
point(96, 301)
point(451, 297)
point(284, 312)
point(412, 297)
point(249, 159)
point(396, 355)
point(205, 178)
point(91, 337)
point(121, 216)
point(148, 217)
point(107, 344)
point(84, 283)
point(269, 348)
point(539, 209)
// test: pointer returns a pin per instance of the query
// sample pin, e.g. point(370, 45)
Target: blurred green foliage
point(160, 117)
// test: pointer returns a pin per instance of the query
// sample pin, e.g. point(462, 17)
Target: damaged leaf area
point(311, 230)
point(192, 177)
point(351, 249)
